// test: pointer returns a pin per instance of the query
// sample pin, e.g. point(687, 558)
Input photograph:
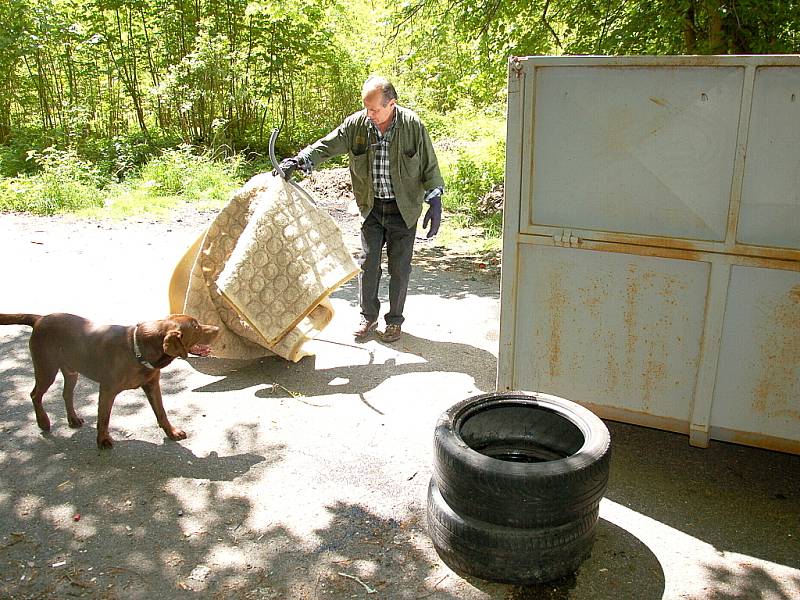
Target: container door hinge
point(566, 239)
point(516, 67)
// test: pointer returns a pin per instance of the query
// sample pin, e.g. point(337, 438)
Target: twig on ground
point(16, 538)
point(366, 587)
point(297, 396)
point(433, 590)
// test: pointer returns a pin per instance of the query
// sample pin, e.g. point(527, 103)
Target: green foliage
point(470, 147)
point(116, 82)
point(15, 154)
point(66, 183)
point(466, 123)
point(192, 176)
point(63, 183)
point(471, 170)
point(472, 177)
point(205, 73)
point(459, 48)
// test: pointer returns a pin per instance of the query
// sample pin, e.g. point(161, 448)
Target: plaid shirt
point(381, 179)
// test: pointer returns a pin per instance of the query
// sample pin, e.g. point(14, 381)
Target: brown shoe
point(391, 334)
point(364, 328)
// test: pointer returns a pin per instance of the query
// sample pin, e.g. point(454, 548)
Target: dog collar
point(138, 353)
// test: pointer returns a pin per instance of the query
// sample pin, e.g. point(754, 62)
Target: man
point(394, 169)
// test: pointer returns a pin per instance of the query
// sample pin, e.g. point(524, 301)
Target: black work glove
point(434, 215)
point(288, 166)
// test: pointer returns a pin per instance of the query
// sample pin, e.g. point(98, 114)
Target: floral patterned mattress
point(263, 271)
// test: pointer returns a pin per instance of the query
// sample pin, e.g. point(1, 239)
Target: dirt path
point(291, 474)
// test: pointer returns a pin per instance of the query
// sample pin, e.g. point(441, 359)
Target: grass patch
point(457, 235)
point(470, 146)
point(195, 177)
point(64, 183)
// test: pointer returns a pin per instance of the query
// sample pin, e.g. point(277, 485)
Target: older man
point(394, 170)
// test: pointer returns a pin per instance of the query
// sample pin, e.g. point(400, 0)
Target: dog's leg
point(104, 406)
point(153, 391)
point(42, 420)
point(70, 379)
point(45, 373)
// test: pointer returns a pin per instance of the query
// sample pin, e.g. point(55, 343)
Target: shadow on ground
point(159, 520)
point(735, 498)
point(283, 379)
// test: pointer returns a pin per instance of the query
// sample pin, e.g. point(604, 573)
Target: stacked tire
point(516, 487)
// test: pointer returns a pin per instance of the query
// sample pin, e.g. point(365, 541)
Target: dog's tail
point(19, 319)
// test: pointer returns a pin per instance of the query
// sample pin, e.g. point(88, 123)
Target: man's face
point(376, 112)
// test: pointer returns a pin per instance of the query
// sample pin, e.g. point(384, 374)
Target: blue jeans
point(384, 226)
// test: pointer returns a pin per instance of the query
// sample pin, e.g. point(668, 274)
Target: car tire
point(521, 459)
point(507, 554)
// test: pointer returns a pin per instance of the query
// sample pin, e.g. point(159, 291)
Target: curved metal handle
point(274, 136)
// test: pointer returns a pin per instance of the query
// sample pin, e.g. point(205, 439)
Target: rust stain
point(670, 289)
point(593, 297)
point(646, 341)
point(611, 364)
point(629, 315)
point(558, 300)
point(654, 373)
point(775, 393)
point(759, 440)
point(636, 282)
point(644, 245)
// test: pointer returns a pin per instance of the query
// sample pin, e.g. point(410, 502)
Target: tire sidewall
point(475, 484)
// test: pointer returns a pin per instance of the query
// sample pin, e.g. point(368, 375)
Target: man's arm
point(337, 142)
point(431, 176)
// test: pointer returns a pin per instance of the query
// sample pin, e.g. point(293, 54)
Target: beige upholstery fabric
point(263, 272)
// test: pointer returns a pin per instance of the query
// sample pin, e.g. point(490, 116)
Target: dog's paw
point(75, 422)
point(105, 442)
point(176, 434)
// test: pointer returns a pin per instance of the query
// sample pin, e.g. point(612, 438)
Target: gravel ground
point(308, 480)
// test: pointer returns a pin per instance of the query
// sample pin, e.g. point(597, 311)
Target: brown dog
point(118, 357)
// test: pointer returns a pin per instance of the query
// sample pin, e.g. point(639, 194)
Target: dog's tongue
point(200, 349)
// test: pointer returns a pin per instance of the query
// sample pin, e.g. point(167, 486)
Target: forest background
point(122, 106)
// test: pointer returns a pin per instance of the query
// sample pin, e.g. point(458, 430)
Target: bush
point(122, 154)
point(15, 154)
point(62, 183)
point(195, 177)
point(470, 178)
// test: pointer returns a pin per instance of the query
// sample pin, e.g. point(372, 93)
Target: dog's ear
point(173, 344)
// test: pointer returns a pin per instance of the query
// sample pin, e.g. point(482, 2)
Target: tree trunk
point(689, 31)
point(716, 41)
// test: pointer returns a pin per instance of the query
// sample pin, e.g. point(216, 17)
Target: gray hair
point(377, 82)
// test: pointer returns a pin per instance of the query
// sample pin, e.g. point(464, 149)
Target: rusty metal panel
point(770, 213)
point(615, 330)
point(651, 252)
point(630, 149)
point(758, 378)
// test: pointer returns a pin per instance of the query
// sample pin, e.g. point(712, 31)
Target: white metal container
point(651, 253)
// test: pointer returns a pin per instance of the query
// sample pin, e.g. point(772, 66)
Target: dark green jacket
point(412, 161)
